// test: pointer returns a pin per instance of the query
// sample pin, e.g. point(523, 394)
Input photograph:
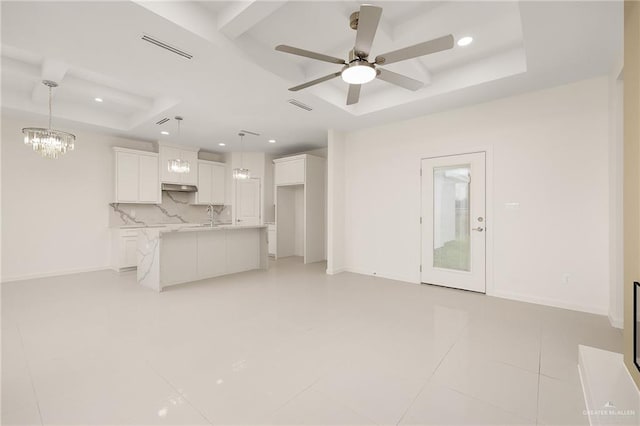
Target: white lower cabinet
point(124, 246)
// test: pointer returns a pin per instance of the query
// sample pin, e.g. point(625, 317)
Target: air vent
point(251, 133)
point(299, 104)
point(164, 120)
point(166, 46)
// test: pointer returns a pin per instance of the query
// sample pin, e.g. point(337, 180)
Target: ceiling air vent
point(299, 104)
point(164, 120)
point(251, 133)
point(166, 46)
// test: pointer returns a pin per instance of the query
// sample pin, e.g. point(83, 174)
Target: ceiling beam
point(191, 16)
point(237, 18)
point(52, 69)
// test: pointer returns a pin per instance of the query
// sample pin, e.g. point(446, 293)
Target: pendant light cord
point(241, 151)
point(49, 107)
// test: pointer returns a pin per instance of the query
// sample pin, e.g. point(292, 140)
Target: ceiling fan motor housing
point(353, 20)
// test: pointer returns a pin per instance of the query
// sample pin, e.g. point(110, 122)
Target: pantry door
point(454, 226)
point(248, 202)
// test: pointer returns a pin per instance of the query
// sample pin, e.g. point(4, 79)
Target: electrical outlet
point(565, 278)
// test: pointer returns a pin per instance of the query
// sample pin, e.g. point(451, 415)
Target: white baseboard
point(616, 322)
point(53, 274)
point(503, 295)
point(551, 302)
point(378, 275)
point(335, 271)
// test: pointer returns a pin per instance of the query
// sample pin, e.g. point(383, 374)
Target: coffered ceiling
point(236, 80)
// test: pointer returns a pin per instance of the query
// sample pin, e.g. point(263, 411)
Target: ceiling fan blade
point(354, 94)
point(314, 82)
point(309, 54)
point(399, 80)
point(420, 49)
point(368, 21)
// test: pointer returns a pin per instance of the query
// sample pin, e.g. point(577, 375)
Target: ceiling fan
point(359, 70)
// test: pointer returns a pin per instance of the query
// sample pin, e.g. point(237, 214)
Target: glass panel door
point(451, 218)
point(453, 221)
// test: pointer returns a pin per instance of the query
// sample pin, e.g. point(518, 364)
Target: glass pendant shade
point(178, 166)
point(240, 173)
point(49, 143)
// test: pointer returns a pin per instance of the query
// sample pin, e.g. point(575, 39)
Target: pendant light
point(178, 165)
point(49, 143)
point(240, 172)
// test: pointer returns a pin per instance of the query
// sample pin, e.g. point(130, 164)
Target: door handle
point(479, 229)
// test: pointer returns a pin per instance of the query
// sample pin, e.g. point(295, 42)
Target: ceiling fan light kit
point(359, 70)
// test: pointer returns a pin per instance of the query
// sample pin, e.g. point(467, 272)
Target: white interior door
point(248, 202)
point(454, 222)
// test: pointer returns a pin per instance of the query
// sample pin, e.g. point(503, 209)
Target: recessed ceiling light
point(465, 41)
point(272, 141)
point(222, 144)
point(97, 99)
point(164, 132)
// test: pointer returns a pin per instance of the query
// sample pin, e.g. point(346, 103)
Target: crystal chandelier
point(178, 165)
point(240, 172)
point(49, 143)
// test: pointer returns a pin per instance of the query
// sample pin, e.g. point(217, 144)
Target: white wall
point(616, 148)
point(335, 202)
point(55, 213)
point(546, 150)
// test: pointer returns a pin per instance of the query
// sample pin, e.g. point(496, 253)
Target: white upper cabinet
point(149, 179)
point(136, 177)
point(168, 153)
point(289, 171)
point(211, 183)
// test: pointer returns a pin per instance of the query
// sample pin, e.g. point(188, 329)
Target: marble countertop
point(163, 225)
point(199, 228)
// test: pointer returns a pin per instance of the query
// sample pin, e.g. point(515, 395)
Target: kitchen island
point(170, 256)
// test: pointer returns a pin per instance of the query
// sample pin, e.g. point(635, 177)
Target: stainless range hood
point(179, 188)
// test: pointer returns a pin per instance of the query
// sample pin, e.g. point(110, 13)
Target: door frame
point(489, 211)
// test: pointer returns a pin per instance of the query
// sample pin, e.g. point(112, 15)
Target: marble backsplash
point(175, 208)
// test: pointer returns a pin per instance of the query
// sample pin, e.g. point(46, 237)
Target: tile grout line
point(348, 407)
point(179, 393)
point(33, 386)
point(432, 374)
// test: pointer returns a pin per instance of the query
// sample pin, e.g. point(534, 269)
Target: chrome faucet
point(211, 212)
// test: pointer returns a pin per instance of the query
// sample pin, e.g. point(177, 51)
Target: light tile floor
point(287, 346)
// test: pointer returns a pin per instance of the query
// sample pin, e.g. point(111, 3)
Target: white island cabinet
point(170, 256)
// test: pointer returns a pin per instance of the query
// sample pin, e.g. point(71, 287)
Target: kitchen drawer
point(129, 232)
